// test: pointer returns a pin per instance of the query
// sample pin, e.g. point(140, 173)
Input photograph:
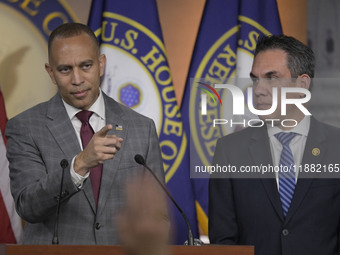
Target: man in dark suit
point(98, 136)
point(292, 212)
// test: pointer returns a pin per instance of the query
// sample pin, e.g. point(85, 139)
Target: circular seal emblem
point(25, 27)
point(228, 60)
point(127, 72)
point(137, 75)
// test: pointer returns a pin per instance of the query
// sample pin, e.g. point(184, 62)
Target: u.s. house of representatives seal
point(138, 76)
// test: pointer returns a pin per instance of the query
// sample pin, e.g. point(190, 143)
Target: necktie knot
point(285, 138)
point(84, 116)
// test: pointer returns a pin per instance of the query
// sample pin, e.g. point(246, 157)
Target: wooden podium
point(118, 250)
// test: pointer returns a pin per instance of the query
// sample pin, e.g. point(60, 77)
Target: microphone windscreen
point(139, 159)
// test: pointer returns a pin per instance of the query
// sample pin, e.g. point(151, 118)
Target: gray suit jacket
point(39, 138)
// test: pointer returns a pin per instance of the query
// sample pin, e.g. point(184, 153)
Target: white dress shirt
point(297, 145)
point(97, 122)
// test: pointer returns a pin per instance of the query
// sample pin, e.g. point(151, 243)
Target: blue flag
point(137, 75)
point(224, 50)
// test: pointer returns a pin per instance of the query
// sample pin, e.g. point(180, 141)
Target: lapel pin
point(119, 127)
point(316, 152)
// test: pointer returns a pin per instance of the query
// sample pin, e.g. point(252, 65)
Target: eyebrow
point(267, 74)
point(87, 61)
point(62, 66)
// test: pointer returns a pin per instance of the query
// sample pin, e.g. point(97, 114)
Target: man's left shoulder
point(127, 113)
point(328, 130)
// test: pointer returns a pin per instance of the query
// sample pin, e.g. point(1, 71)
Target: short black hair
point(68, 30)
point(300, 57)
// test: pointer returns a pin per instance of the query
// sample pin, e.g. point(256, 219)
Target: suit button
point(285, 232)
point(98, 226)
point(64, 194)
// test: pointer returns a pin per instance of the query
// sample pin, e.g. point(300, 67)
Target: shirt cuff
point(77, 179)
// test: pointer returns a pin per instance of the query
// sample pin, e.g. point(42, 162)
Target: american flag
point(10, 222)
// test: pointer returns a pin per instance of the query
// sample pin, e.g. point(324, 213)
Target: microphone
point(140, 160)
point(64, 165)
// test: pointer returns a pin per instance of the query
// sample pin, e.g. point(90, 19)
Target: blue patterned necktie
point(286, 178)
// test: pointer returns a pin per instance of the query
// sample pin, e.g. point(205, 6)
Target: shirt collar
point(98, 107)
point(301, 128)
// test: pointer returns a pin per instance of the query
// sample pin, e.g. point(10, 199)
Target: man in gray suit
point(96, 135)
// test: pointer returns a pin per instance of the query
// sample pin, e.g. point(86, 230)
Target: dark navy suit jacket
point(248, 211)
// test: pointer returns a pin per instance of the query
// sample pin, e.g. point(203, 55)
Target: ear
point(102, 64)
point(49, 70)
point(303, 81)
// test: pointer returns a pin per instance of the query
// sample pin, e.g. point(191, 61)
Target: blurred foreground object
point(143, 222)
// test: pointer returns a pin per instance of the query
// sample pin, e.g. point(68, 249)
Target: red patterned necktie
point(86, 133)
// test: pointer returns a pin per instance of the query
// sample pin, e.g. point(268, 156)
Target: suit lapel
point(114, 116)
point(316, 139)
point(64, 134)
point(260, 152)
point(61, 128)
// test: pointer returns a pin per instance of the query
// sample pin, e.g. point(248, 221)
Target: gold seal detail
point(316, 152)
